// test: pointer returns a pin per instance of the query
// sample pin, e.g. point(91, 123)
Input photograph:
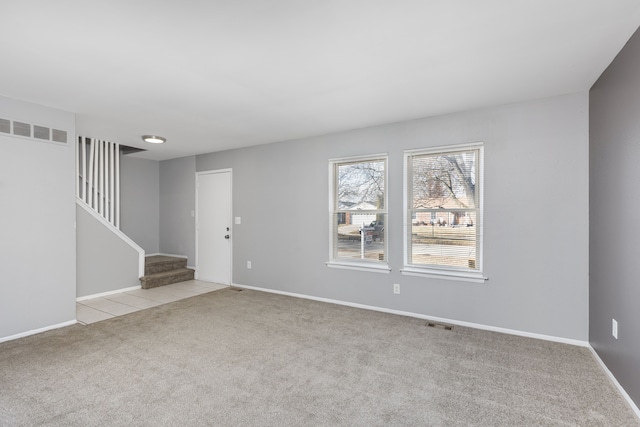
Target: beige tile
point(87, 315)
point(137, 292)
point(193, 282)
point(175, 291)
point(154, 295)
point(96, 309)
point(96, 302)
point(108, 306)
point(118, 309)
point(188, 287)
point(210, 285)
point(133, 300)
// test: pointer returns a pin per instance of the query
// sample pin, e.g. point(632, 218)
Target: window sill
point(445, 274)
point(360, 266)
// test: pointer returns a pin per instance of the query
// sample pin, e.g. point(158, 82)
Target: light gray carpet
point(249, 358)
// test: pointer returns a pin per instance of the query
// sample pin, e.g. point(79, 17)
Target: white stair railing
point(98, 177)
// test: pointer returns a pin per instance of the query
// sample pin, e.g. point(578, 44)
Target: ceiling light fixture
point(153, 139)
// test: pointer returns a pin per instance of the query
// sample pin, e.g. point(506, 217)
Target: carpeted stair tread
point(155, 259)
point(161, 263)
point(161, 270)
point(167, 273)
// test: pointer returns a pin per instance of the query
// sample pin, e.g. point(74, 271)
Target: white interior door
point(213, 226)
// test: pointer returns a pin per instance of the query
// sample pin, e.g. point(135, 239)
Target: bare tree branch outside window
point(359, 183)
point(444, 181)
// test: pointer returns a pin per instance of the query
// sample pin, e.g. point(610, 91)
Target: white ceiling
point(211, 75)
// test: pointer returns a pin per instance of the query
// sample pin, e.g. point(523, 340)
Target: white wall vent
point(59, 136)
point(41, 133)
point(22, 129)
point(5, 126)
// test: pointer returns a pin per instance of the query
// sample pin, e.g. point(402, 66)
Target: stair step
point(161, 263)
point(166, 278)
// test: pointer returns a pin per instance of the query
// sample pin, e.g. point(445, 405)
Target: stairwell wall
point(105, 262)
point(37, 217)
point(177, 207)
point(139, 201)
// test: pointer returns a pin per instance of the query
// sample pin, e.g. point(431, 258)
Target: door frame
point(210, 172)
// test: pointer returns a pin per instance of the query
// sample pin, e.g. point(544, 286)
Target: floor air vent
point(40, 133)
point(439, 326)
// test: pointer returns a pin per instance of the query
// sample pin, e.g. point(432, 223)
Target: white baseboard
point(172, 255)
point(579, 343)
point(426, 317)
point(104, 294)
point(37, 331)
point(622, 391)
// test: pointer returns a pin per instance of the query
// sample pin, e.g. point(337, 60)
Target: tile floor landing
point(102, 308)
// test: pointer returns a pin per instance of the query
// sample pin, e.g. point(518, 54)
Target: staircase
point(160, 270)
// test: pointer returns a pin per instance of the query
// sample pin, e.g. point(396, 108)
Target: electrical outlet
point(248, 264)
point(614, 328)
point(396, 288)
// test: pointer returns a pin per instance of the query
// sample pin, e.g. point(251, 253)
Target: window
point(443, 217)
point(358, 212)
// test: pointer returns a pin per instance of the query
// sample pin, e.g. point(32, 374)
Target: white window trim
point(355, 264)
point(362, 158)
point(431, 271)
point(360, 266)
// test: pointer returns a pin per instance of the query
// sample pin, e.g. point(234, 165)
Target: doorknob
point(227, 236)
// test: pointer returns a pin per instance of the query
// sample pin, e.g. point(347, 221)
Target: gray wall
point(104, 261)
point(177, 207)
point(140, 198)
point(536, 219)
point(37, 215)
point(614, 203)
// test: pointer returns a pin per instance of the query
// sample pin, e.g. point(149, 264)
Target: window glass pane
point(445, 181)
point(355, 241)
point(443, 207)
point(360, 185)
point(358, 210)
point(448, 240)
